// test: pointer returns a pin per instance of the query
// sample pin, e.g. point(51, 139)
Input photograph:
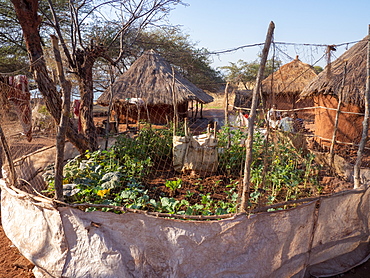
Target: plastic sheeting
point(319, 238)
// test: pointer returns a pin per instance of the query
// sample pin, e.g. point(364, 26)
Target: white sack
point(195, 153)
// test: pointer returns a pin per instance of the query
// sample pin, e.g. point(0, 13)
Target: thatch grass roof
point(329, 81)
point(289, 79)
point(150, 78)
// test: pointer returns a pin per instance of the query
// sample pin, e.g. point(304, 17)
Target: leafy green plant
point(118, 176)
point(231, 151)
point(189, 194)
point(173, 185)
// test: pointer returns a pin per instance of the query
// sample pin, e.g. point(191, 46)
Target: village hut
point(329, 85)
point(148, 91)
point(283, 87)
point(243, 98)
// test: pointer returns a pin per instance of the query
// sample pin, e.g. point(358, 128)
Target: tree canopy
point(246, 72)
point(75, 22)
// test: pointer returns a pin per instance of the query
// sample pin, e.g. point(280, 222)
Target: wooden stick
point(5, 145)
point(249, 142)
point(107, 126)
point(186, 129)
point(174, 99)
point(226, 101)
point(365, 123)
point(64, 118)
point(340, 97)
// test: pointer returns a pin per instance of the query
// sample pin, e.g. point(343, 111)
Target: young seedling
point(173, 185)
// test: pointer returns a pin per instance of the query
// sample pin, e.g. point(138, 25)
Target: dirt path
point(12, 263)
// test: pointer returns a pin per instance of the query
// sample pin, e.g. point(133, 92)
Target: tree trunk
point(85, 60)
point(29, 20)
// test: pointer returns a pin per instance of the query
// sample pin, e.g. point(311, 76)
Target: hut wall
point(288, 102)
point(158, 114)
point(349, 125)
point(243, 99)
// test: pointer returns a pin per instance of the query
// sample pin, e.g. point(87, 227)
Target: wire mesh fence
point(190, 158)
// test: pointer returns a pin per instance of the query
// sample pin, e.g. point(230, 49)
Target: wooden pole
point(365, 123)
point(138, 116)
point(175, 115)
point(107, 125)
point(196, 110)
point(226, 101)
point(4, 143)
point(186, 128)
point(64, 119)
point(127, 106)
point(340, 98)
point(147, 114)
point(249, 142)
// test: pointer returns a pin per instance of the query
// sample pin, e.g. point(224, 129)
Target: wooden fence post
point(107, 126)
point(64, 118)
point(4, 144)
point(174, 101)
point(365, 123)
point(340, 98)
point(251, 118)
point(226, 101)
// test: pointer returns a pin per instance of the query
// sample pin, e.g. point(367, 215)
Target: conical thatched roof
point(289, 79)
point(150, 78)
point(329, 81)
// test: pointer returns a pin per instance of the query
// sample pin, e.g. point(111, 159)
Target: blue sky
point(225, 24)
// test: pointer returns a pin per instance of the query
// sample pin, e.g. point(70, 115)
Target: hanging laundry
point(21, 82)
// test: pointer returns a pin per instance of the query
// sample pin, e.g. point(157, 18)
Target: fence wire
point(196, 164)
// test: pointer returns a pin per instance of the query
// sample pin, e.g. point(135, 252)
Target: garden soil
point(13, 264)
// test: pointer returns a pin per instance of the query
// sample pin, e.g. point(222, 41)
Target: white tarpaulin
point(67, 242)
point(322, 238)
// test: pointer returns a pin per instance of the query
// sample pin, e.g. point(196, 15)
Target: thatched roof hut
point(243, 98)
point(284, 86)
point(329, 81)
point(150, 78)
point(328, 85)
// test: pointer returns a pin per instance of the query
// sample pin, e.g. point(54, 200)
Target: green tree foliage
point(246, 72)
point(74, 25)
point(13, 51)
point(170, 42)
point(177, 48)
point(13, 55)
point(318, 69)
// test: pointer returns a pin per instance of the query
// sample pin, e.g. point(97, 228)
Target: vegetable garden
point(137, 173)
